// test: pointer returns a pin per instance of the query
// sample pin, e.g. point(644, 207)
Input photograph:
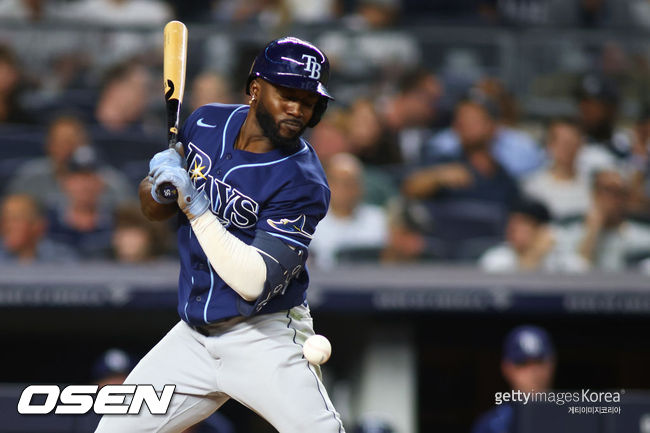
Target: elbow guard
point(283, 263)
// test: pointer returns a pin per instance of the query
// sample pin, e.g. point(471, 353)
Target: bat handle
point(167, 190)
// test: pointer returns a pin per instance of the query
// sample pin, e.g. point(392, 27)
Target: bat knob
point(168, 191)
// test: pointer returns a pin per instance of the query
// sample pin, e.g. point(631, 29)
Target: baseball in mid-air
point(317, 349)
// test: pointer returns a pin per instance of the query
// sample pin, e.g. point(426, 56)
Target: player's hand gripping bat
point(174, 61)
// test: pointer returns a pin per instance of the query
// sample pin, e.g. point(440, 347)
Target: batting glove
point(191, 201)
point(167, 158)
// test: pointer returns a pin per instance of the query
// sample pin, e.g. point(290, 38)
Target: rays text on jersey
point(227, 203)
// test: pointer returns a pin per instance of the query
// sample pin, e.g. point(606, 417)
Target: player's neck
point(251, 138)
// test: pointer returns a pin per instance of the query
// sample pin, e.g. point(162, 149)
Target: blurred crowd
point(426, 162)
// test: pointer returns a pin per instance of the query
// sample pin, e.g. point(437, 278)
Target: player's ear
point(254, 89)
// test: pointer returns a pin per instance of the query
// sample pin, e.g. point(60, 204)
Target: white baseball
point(317, 349)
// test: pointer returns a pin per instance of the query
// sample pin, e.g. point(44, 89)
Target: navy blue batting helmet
point(294, 63)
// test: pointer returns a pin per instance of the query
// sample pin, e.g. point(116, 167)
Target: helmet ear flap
point(319, 110)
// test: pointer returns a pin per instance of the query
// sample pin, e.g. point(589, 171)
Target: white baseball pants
point(257, 361)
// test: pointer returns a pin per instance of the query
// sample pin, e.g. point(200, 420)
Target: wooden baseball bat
point(174, 64)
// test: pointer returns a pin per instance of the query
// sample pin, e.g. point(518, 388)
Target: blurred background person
point(118, 12)
point(42, 177)
point(606, 238)
point(123, 99)
point(559, 185)
point(352, 230)
point(23, 229)
point(598, 108)
point(80, 221)
point(331, 135)
point(207, 88)
point(369, 138)
point(639, 203)
point(136, 239)
point(11, 110)
point(112, 367)
point(28, 10)
point(410, 114)
point(528, 364)
point(477, 118)
point(462, 201)
point(530, 243)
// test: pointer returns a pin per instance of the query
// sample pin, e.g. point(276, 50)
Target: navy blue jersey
point(283, 193)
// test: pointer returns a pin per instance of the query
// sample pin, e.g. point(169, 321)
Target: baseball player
point(250, 193)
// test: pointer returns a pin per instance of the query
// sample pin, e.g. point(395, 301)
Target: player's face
point(530, 376)
point(283, 113)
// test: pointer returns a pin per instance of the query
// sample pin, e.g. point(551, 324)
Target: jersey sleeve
point(293, 214)
point(283, 233)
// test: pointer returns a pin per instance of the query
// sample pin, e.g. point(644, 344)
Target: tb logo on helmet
point(312, 66)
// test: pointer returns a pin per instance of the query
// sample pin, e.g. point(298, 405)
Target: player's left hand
point(172, 156)
point(191, 201)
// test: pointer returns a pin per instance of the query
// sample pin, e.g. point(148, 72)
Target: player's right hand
point(167, 158)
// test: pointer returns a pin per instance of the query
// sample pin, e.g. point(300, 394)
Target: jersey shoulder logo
point(203, 124)
point(295, 226)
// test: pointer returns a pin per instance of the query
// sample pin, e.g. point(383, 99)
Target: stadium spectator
point(607, 147)
point(351, 228)
point(10, 81)
point(506, 103)
point(463, 200)
point(528, 365)
point(410, 114)
point(368, 137)
point(27, 10)
point(110, 368)
point(361, 59)
point(606, 239)
point(41, 177)
point(80, 221)
point(22, 233)
point(123, 99)
point(477, 118)
point(639, 203)
point(119, 13)
point(136, 239)
point(209, 87)
point(530, 243)
point(559, 185)
point(374, 14)
point(330, 136)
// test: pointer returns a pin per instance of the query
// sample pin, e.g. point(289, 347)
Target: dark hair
point(532, 208)
point(412, 79)
point(478, 98)
point(118, 72)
